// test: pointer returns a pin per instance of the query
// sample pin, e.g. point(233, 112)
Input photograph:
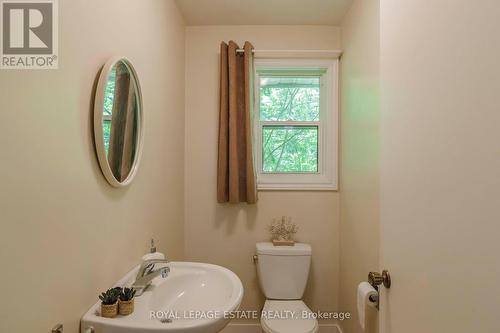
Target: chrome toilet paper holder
point(376, 279)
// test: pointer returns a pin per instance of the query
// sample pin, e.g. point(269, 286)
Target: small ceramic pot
point(109, 311)
point(126, 307)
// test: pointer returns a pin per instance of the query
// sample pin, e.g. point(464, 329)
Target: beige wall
point(225, 234)
point(66, 234)
point(359, 182)
point(440, 163)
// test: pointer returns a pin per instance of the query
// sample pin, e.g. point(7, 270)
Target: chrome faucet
point(147, 273)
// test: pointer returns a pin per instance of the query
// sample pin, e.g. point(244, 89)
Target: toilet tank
point(283, 270)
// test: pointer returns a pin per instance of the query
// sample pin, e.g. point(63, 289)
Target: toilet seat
point(287, 317)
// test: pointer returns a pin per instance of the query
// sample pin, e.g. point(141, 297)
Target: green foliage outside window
point(290, 148)
point(108, 108)
point(106, 128)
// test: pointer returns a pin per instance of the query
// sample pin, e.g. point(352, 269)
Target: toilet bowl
point(295, 317)
point(283, 273)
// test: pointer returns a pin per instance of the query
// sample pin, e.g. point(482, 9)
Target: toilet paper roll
point(365, 290)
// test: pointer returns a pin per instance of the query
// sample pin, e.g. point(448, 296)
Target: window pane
point(289, 98)
point(109, 94)
point(106, 129)
point(292, 149)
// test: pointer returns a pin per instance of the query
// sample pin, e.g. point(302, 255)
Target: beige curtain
point(235, 168)
point(122, 138)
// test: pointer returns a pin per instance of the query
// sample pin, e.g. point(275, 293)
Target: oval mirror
point(118, 121)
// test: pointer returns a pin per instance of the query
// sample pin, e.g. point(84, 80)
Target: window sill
point(297, 187)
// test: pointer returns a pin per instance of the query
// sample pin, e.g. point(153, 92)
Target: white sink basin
point(196, 297)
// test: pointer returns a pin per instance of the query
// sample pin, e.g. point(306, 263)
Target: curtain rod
point(305, 51)
point(296, 53)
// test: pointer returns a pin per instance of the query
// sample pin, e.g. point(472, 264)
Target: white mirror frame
point(98, 119)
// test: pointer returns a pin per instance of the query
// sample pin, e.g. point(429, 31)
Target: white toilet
point(283, 272)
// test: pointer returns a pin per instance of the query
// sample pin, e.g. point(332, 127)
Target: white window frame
point(327, 176)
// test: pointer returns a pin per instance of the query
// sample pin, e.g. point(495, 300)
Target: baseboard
point(242, 328)
point(255, 328)
point(329, 328)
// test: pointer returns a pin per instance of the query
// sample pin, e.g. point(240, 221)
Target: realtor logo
point(29, 34)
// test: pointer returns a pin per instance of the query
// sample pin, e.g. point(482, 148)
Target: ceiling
point(263, 12)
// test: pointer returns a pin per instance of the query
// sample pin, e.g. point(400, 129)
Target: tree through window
point(294, 107)
point(293, 146)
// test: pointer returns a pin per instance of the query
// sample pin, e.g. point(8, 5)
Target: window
point(107, 115)
point(296, 116)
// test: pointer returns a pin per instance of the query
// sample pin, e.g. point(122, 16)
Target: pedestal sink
point(194, 298)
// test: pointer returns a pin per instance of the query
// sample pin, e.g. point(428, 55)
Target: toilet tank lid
point(299, 249)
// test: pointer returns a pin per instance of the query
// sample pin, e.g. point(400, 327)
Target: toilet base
point(292, 316)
